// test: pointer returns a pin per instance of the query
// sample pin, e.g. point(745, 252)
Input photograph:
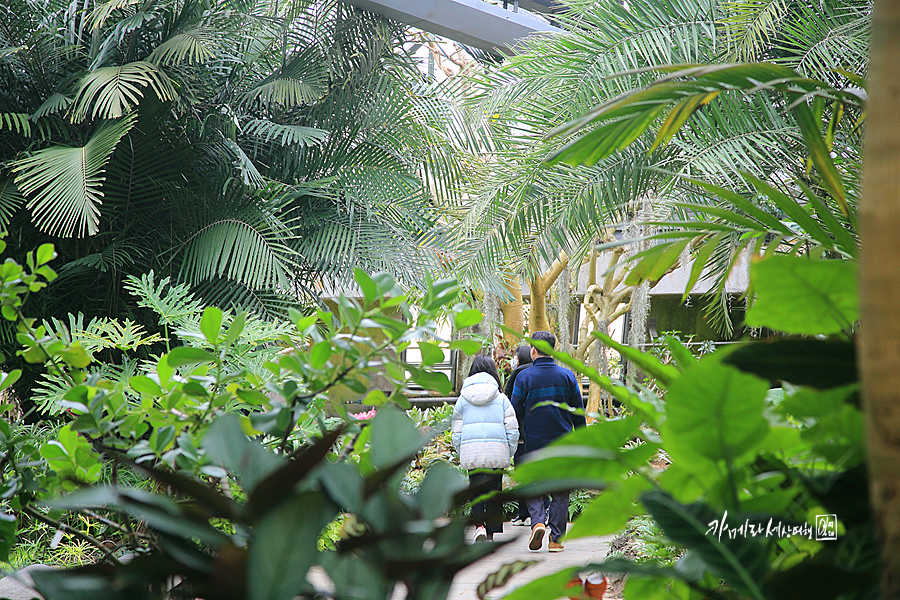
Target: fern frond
point(173, 303)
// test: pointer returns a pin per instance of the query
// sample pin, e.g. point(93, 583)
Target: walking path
point(578, 552)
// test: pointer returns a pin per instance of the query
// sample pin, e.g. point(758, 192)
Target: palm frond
point(16, 122)
point(63, 185)
point(193, 46)
point(10, 200)
point(54, 104)
point(751, 25)
point(110, 92)
point(286, 135)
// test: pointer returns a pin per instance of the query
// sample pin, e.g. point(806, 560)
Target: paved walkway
point(578, 552)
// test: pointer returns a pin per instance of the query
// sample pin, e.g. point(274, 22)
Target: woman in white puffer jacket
point(485, 432)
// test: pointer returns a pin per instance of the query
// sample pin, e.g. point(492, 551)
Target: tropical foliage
point(522, 210)
point(239, 470)
point(254, 150)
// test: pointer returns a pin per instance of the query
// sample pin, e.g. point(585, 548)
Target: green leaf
point(431, 353)
point(284, 547)
point(75, 356)
point(611, 511)
point(714, 411)
point(811, 128)
point(9, 378)
point(7, 534)
point(211, 324)
point(432, 380)
point(186, 355)
point(365, 284)
point(235, 329)
point(145, 386)
point(470, 347)
point(467, 318)
point(45, 253)
point(393, 437)
point(741, 561)
point(319, 354)
point(801, 296)
point(226, 445)
point(435, 495)
point(802, 361)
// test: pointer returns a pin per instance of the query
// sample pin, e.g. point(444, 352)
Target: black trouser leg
point(489, 512)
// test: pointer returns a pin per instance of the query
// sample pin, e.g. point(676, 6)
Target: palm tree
point(521, 212)
point(255, 150)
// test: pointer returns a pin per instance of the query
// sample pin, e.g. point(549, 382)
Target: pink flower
point(364, 416)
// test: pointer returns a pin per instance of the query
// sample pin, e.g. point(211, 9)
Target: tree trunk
point(537, 313)
point(514, 310)
point(880, 287)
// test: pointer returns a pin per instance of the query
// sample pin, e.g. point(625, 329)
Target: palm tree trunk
point(880, 288)
point(514, 310)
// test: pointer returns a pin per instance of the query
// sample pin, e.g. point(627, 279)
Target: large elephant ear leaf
point(63, 184)
point(110, 92)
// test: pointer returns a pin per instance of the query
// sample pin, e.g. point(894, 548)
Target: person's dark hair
point(544, 336)
point(523, 353)
point(485, 364)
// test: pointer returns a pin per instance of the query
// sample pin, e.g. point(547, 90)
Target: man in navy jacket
point(546, 381)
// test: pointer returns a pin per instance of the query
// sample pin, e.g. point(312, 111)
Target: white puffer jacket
point(485, 430)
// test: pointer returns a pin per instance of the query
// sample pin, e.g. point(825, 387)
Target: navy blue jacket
point(546, 381)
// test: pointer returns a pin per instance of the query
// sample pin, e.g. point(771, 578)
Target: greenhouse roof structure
point(471, 22)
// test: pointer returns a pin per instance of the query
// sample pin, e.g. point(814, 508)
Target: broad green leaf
point(45, 253)
point(393, 437)
point(431, 353)
point(319, 354)
point(432, 380)
point(365, 284)
point(470, 347)
point(8, 524)
point(211, 324)
point(226, 445)
point(802, 296)
point(186, 355)
point(467, 318)
point(235, 329)
point(435, 495)
point(741, 561)
point(9, 378)
point(801, 361)
point(144, 385)
point(611, 510)
point(714, 411)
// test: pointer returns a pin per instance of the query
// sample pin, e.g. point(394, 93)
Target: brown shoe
point(556, 547)
point(537, 537)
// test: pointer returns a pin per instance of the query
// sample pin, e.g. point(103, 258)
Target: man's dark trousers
point(559, 513)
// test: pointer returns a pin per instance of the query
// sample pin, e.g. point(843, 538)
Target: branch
point(79, 534)
point(555, 269)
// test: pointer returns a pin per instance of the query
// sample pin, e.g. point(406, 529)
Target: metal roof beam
point(470, 22)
